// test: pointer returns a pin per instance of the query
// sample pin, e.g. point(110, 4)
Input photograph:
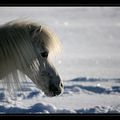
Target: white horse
point(26, 46)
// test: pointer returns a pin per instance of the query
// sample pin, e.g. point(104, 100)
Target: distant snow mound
point(87, 79)
point(99, 110)
point(76, 86)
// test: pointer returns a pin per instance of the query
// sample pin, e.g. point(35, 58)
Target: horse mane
point(16, 50)
point(51, 40)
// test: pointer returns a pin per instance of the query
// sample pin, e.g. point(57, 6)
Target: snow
point(89, 64)
point(79, 97)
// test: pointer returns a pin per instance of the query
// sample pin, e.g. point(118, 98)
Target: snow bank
point(30, 93)
point(75, 86)
point(38, 108)
point(42, 108)
point(99, 110)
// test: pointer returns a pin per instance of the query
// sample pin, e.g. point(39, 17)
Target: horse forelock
point(50, 39)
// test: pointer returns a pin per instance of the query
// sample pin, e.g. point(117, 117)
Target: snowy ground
point(90, 38)
point(81, 95)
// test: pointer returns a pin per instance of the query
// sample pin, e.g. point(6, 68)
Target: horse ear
point(35, 30)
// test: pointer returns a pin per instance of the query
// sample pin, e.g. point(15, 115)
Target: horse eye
point(44, 54)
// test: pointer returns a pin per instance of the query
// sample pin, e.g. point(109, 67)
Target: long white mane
point(17, 52)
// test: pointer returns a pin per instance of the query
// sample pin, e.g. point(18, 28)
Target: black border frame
point(59, 3)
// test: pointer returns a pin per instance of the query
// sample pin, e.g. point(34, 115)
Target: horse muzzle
point(55, 90)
